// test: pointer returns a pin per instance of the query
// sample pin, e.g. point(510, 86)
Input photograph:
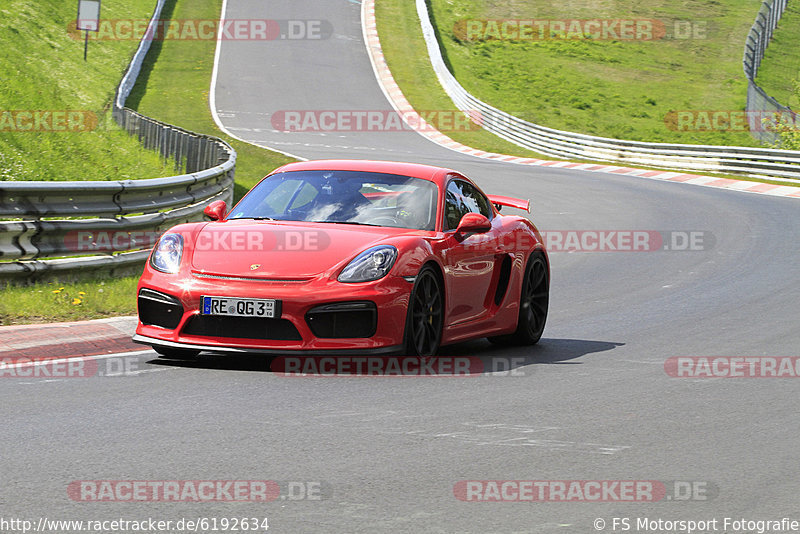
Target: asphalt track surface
point(591, 401)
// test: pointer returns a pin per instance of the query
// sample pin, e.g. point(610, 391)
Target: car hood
point(281, 250)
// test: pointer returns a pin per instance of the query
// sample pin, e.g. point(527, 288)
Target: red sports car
point(347, 257)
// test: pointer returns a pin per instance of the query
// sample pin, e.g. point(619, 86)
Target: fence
point(758, 102)
point(66, 227)
point(779, 164)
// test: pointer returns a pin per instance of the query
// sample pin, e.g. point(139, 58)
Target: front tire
point(425, 317)
point(533, 304)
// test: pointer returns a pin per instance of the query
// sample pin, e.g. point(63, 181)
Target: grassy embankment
point(173, 88)
point(779, 74)
point(43, 70)
point(615, 88)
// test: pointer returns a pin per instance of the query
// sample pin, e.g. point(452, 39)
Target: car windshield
point(352, 197)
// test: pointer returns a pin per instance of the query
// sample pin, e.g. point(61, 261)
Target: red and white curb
point(403, 107)
point(70, 340)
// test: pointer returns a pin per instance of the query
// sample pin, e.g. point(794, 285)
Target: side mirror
point(473, 223)
point(216, 210)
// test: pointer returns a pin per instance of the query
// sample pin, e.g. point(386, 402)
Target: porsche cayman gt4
point(347, 257)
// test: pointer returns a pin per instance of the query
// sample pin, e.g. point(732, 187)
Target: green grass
point(174, 84)
point(621, 89)
point(51, 302)
point(43, 70)
point(779, 74)
point(404, 49)
point(172, 87)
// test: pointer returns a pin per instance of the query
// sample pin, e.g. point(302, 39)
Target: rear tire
point(425, 317)
point(176, 354)
point(533, 304)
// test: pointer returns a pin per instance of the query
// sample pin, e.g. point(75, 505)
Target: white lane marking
point(114, 375)
point(57, 361)
point(212, 93)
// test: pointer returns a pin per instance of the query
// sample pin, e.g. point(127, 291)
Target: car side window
point(461, 198)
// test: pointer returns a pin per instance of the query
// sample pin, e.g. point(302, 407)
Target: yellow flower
point(76, 301)
point(81, 293)
point(56, 291)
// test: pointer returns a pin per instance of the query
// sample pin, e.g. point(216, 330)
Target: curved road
point(592, 401)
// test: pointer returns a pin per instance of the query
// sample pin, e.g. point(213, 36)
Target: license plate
point(240, 307)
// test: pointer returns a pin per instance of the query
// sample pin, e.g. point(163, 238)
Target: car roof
point(415, 170)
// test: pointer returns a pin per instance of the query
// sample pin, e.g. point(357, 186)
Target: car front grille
point(242, 328)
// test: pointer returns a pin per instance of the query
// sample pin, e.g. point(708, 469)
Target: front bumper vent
point(357, 319)
point(159, 309)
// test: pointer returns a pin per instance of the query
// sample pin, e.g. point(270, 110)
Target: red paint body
point(306, 277)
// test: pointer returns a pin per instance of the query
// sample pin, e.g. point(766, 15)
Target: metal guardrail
point(759, 103)
point(779, 164)
point(118, 219)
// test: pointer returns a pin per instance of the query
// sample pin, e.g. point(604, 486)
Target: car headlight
point(166, 256)
point(370, 265)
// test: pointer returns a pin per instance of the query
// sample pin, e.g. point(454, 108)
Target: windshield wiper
point(352, 222)
point(253, 218)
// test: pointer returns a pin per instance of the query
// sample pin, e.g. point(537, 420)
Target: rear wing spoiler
point(511, 202)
